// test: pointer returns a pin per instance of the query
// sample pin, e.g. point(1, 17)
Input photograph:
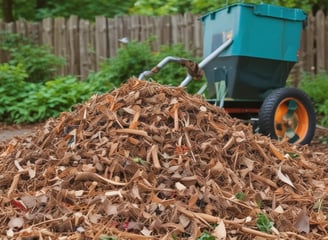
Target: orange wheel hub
point(291, 120)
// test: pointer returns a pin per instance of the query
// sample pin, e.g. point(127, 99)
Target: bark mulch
point(148, 161)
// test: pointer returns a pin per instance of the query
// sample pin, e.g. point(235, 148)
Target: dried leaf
point(29, 201)
point(220, 232)
point(31, 172)
point(114, 193)
point(78, 193)
point(132, 225)
point(302, 222)
point(279, 209)
point(284, 178)
point(146, 232)
point(94, 218)
point(111, 209)
point(16, 223)
point(184, 220)
point(10, 233)
point(180, 186)
point(135, 192)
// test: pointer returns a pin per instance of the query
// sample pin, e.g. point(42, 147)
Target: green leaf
point(240, 196)
point(106, 237)
point(263, 223)
point(206, 236)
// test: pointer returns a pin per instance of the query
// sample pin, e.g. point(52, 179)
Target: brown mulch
point(151, 162)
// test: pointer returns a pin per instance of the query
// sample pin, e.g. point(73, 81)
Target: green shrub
point(317, 87)
point(13, 89)
point(38, 61)
point(137, 57)
point(52, 98)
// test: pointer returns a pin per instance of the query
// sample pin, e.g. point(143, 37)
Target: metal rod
point(202, 89)
point(159, 66)
point(206, 60)
point(214, 54)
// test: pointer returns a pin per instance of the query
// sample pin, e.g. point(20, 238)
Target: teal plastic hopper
point(266, 41)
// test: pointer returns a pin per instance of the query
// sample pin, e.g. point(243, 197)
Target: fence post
point(73, 41)
point(326, 41)
point(87, 48)
point(321, 42)
point(60, 42)
point(101, 40)
point(310, 50)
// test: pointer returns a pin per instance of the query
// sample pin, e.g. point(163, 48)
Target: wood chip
point(148, 161)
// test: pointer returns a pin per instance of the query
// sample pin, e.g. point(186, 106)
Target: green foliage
point(240, 196)
point(23, 102)
point(12, 88)
point(52, 98)
point(137, 57)
point(38, 61)
point(130, 60)
point(263, 223)
point(35, 10)
point(106, 237)
point(317, 87)
point(26, 95)
point(206, 236)
point(161, 7)
point(85, 9)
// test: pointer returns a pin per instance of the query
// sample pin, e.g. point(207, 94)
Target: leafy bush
point(137, 57)
point(317, 87)
point(12, 89)
point(23, 102)
point(50, 99)
point(26, 95)
point(38, 61)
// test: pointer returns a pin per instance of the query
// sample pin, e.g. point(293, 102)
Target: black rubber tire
point(269, 108)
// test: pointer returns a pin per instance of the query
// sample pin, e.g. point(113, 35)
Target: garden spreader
point(249, 50)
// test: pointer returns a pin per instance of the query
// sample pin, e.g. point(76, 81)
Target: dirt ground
point(318, 144)
point(11, 131)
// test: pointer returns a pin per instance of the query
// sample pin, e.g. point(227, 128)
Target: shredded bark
point(148, 161)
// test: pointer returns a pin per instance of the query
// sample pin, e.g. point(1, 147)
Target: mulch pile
point(148, 161)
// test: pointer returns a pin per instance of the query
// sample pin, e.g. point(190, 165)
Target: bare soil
point(10, 131)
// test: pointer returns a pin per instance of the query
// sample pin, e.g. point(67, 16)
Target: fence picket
point(73, 41)
point(310, 50)
point(112, 34)
point(101, 40)
point(326, 41)
point(47, 37)
point(320, 40)
point(3, 54)
point(60, 40)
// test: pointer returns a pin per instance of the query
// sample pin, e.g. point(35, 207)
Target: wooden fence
point(85, 44)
